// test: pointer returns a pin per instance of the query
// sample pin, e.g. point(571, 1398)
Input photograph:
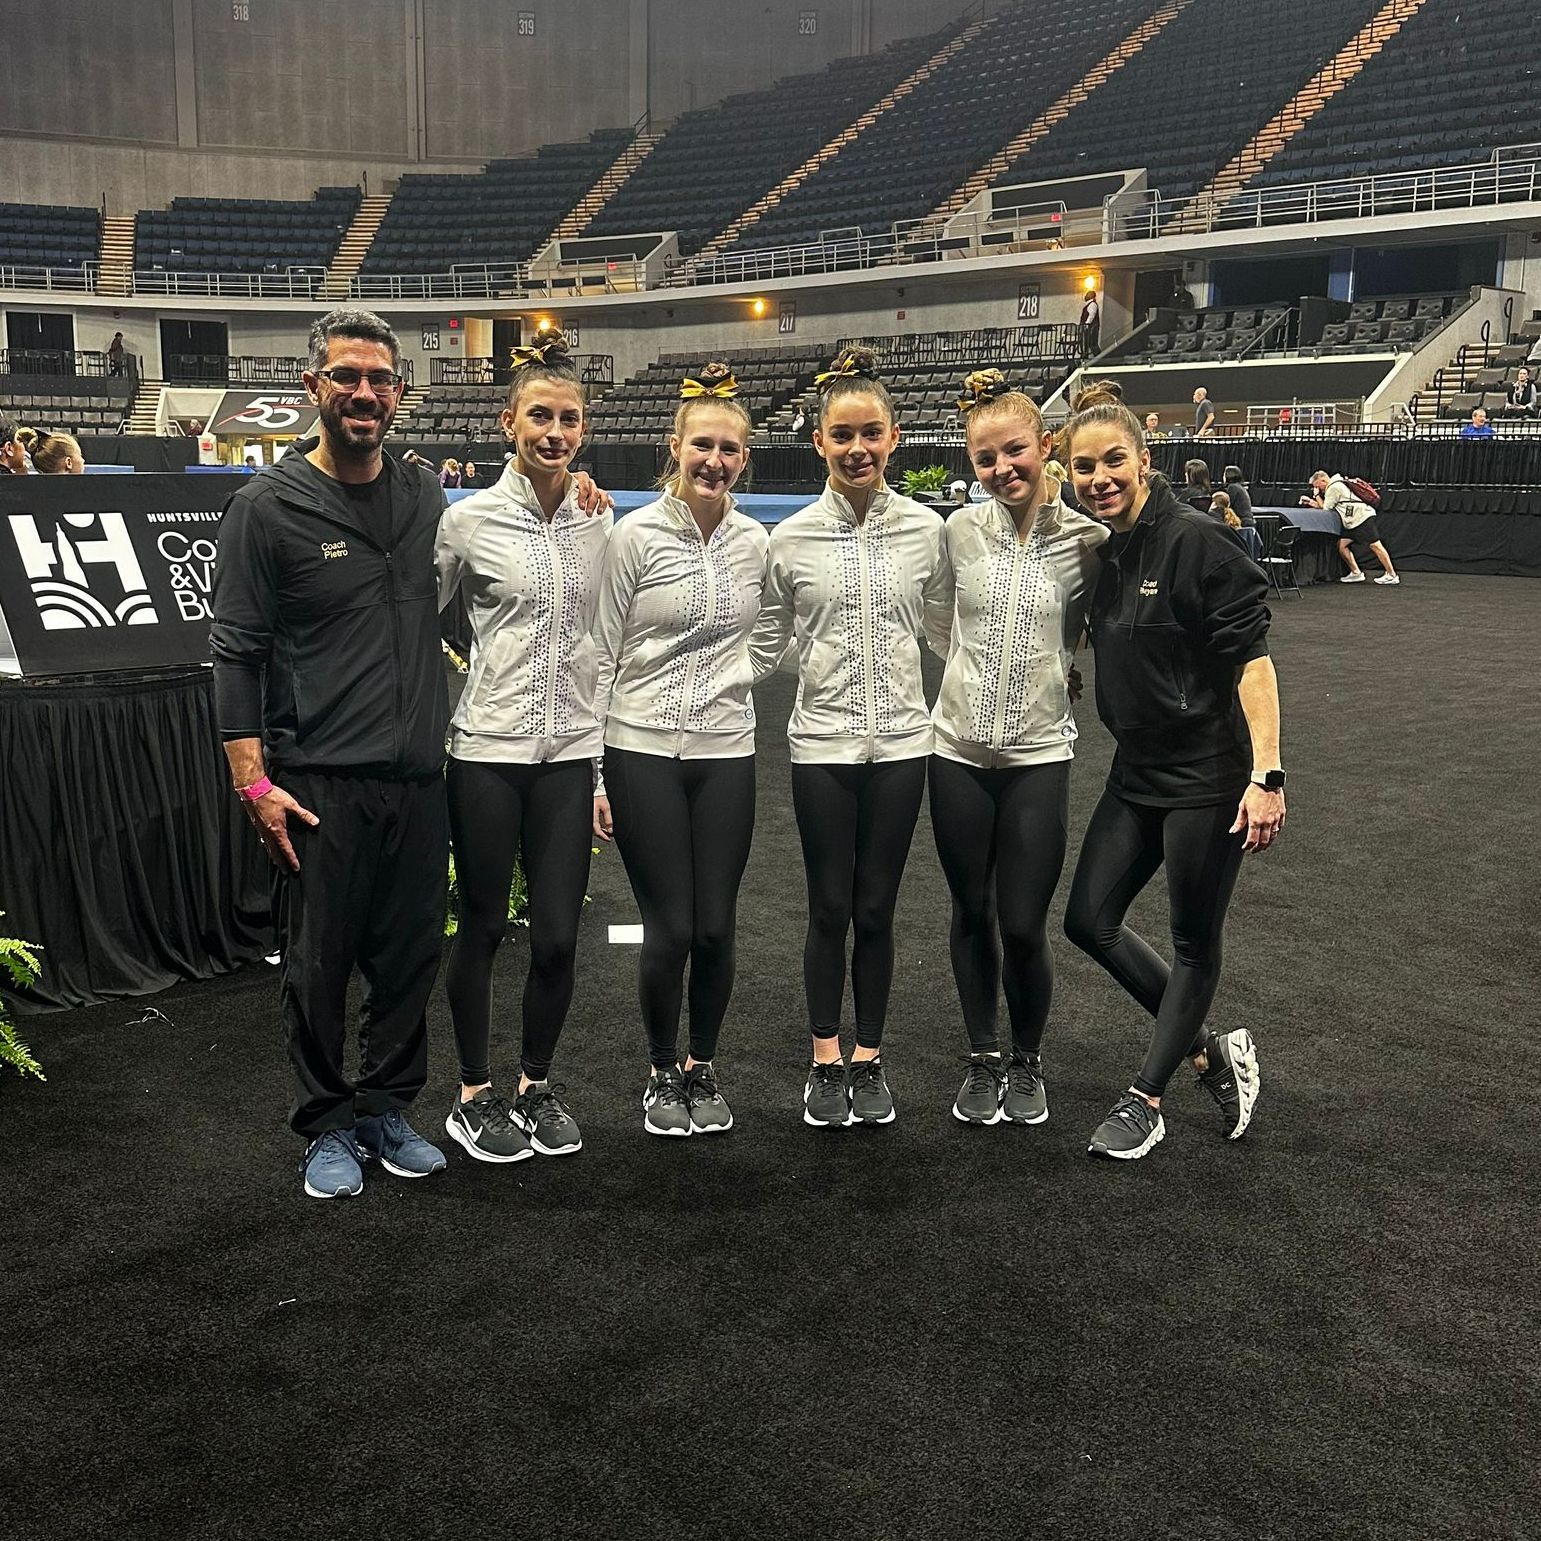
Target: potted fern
point(927, 485)
point(19, 960)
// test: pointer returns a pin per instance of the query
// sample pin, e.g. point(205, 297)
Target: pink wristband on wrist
point(257, 789)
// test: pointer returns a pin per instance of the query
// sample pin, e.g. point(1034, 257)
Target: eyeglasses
point(344, 379)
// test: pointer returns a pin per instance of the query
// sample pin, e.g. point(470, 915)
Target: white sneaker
point(1390, 579)
point(1352, 578)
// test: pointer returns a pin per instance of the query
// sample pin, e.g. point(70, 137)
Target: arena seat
point(497, 216)
point(91, 406)
point(244, 235)
point(713, 164)
point(48, 236)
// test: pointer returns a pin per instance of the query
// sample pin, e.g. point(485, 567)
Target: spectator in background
point(1520, 398)
point(58, 454)
point(468, 477)
point(1358, 520)
point(1240, 498)
point(800, 421)
point(1091, 324)
point(117, 355)
point(449, 473)
point(1196, 491)
point(13, 452)
point(1220, 508)
point(1203, 415)
point(1479, 427)
point(1153, 428)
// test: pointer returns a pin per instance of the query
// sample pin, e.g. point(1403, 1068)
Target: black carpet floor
point(1327, 1329)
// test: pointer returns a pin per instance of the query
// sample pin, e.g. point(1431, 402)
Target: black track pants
point(497, 812)
point(1000, 834)
point(684, 828)
point(856, 823)
point(369, 893)
point(1125, 845)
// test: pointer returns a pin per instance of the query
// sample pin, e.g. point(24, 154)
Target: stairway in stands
point(1061, 106)
point(144, 414)
point(115, 274)
point(354, 247)
point(1269, 140)
point(794, 179)
point(604, 189)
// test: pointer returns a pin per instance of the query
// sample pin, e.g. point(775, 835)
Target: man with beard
point(331, 697)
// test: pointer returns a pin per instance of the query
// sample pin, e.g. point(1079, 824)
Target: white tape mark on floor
point(626, 934)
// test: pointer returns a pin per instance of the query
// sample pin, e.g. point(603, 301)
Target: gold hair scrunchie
point(537, 354)
point(725, 388)
point(982, 386)
point(844, 368)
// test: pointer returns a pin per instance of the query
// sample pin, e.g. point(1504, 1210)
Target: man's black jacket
point(326, 632)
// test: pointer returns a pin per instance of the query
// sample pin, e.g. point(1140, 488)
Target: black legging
point(684, 828)
point(1125, 844)
point(856, 823)
point(1000, 834)
point(497, 811)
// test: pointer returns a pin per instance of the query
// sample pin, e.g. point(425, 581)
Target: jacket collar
point(1161, 503)
point(305, 486)
point(1047, 518)
point(839, 505)
point(514, 485)
point(678, 510)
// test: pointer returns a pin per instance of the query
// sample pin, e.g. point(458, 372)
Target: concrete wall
point(139, 103)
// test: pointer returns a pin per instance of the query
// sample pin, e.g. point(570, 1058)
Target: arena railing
point(78, 280)
point(291, 284)
point(65, 363)
point(593, 369)
point(470, 281)
point(234, 369)
point(1049, 341)
point(1509, 175)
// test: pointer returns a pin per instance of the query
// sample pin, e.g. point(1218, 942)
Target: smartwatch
point(1270, 781)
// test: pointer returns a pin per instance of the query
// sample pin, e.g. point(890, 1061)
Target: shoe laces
point(1023, 1067)
point(866, 1075)
point(701, 1084)
point(669, 1089)
point(827, 1077)
point(324, 1145)
point(1132, 1108)
point(984, 1074)
point(494, 1111)
point(547, 1105)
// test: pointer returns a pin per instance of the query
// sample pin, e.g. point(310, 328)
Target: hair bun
point(981, 386)
point(552, 350)
point(1104, 393)
point(713, 379)
point(849, 364)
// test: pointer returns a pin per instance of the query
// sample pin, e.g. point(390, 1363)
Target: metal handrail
point(55, 363)
point(75, 280)
point(470, 281)
point(292, 283)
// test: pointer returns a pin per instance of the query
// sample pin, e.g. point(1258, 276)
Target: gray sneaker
point(709, 1110)
point(1026, 1101)
point(871, 1101)
point(389, 1139)
point(665, 1107)
point(332, 1166)
point(979, 1098)
point(486, 1130)
point(1132, 1130)
point(826, 1102)
point(540, 1111)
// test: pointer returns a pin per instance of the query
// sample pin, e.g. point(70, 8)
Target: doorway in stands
point(195, 351)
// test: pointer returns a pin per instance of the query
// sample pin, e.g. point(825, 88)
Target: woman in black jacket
point(1187, 689)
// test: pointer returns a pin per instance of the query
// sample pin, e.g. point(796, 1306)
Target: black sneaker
point(1233, 1078)
point(485, 1128)
point(871, 1101)
point(826, 1102)
point(665, 1107)
point(709, 1110)
point(984, 1084)
point(1130, 1131)
point(540, 1111)
point(1026, 1101)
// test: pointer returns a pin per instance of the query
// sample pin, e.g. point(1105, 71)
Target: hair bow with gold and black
point(540, 354)
point(848, 366)
point(982, 386)
point(723, 386)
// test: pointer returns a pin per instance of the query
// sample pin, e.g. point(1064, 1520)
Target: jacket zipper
point(864, 580)
point(1008, 648)
point(554, 633)
point(694, 655)
point(401, 704)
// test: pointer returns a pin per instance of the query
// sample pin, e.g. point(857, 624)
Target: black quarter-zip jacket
point(326, 632)
point(1178, 609)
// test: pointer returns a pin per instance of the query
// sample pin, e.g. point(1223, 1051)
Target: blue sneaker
point(389, 1139)
point(331, 1166)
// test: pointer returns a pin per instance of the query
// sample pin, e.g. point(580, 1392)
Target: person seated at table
point(1520, 397)
point(1220, 508)
point(1479, 427)
point(1153, 428)
point(1236, 491)
point(1196, 491)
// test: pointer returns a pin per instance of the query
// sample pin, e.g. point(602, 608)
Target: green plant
point(518, 899)
point(928, 479)
point(19, 960)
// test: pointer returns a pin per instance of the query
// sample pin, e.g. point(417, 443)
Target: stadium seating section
point(83, 410)
point(244, 235)
point(715, 163)
point(496, 217)
point(1455, 83)
point(467, 412)
point(43, 237)
point(912, 157)
point(1195, 94)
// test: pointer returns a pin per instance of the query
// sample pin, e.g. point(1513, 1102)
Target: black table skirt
point(122, 849)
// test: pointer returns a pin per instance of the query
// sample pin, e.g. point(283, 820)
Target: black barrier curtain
point(121, 848)
point(140, 451)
